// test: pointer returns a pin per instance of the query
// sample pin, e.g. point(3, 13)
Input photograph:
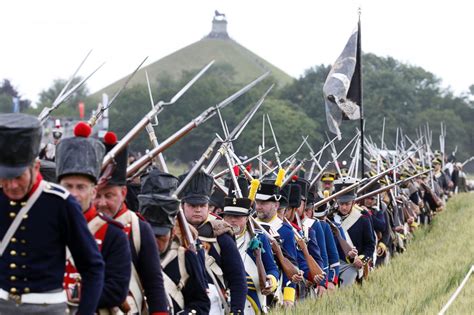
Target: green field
point(421, 280)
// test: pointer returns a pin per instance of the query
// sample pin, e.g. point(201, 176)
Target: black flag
point(343, 87)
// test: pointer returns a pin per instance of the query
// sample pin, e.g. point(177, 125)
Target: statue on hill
point(217, 15)
point(219, 26)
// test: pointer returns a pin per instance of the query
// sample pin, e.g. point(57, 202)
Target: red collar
point(35, 185)
point(121, 211)
point(90, 213)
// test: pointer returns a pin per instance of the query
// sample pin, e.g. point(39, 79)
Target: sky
point(46, 40)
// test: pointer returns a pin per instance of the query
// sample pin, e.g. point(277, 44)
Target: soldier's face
point(345, 207)
point(266, 209)
point(195, 214)
point(301, 208)
point(163, 241)
point(109, 199)
point(82, 188)
point(237, 222)
point(17, 188)
point(327, 185)
point(369, 202)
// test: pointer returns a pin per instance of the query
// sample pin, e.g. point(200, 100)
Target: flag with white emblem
point(343, 87)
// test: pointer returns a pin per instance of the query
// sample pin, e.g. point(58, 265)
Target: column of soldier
point(114, 238)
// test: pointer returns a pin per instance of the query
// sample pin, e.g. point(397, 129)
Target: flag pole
point(362, 125)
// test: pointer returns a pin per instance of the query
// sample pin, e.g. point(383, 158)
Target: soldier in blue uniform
point(223, 270)
point(38, 220)
point(147, 281)
point(78, 164)
point(184, 276)
point(267, 204)
point(251, 244)
point(358, 231)
point(329, 241)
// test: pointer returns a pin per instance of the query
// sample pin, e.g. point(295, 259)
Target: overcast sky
point(45, 40)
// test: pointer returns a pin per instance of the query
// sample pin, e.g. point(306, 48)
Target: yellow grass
point(421, 280)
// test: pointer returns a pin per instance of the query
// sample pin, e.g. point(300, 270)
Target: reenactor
point(38, 220)
point(78, 164)
point(146, 289)
point(358, 231)
point(267, 205)
point(308, 249)
point(183, 272)
point(256, 253)
point(223, 270)
point(333, 255)
point(48, 150)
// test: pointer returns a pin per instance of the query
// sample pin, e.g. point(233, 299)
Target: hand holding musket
point(438, 202)
point(289, 269)
point(314, 269)
point(349, 251)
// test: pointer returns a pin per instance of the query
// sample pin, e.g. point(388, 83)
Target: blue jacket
point(34, 260)
point(195, 288)
point(333, 255)
point(269, 264)
point(322, 260)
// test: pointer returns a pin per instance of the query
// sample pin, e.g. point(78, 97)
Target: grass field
point(421, 280)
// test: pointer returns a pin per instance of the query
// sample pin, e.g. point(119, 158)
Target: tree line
point(406, 96)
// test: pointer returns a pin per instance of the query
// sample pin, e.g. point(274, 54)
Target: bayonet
point(148, 118)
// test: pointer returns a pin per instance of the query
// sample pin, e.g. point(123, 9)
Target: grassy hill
point(421, 280)
point(246, 64)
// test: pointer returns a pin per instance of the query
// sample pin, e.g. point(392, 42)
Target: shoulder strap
point(24, 210)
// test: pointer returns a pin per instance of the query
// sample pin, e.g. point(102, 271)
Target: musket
point(385, 188)
point(345, 246)
point(101, 109)
point(383, 173)
point(151, 130)
point(314, 268)
point(242, 163)
point(339, 193)
point(203, 117)
point(148, 118)
point(293, 172)
point(63, 95)
point(262, 146)
point(278, 152)
point(236, 132)
point(316, 178)
point(287, 266)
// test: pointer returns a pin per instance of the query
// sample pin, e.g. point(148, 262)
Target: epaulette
point(109, 220)
point(55, 189)
point(364, 212)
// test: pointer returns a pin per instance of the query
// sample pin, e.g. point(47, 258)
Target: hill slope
point(246, 64)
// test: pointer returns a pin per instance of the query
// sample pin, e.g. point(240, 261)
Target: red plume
point(236, 170)
point(294, 178)
point(110, 138)
point(82, 129)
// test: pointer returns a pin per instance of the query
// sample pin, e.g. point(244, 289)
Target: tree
point(7, 93)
